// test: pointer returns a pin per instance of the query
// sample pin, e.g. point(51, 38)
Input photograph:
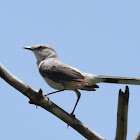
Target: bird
point(63, 77)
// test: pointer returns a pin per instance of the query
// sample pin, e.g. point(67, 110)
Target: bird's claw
point(72, 115)
point(46, 95)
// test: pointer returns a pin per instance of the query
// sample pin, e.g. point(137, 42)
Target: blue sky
point(95, 36)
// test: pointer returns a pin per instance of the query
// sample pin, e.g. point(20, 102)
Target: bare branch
point(137, 137)
point(37, 98)
point(122, 113)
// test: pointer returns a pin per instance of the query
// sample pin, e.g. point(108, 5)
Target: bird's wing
point(60, 73)
point(68, 76)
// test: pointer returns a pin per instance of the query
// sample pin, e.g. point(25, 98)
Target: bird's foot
point(72, 115)
point(45, 94)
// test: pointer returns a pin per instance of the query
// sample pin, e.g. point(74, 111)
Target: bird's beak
point(28, 48)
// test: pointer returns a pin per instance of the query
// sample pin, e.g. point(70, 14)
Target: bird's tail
point(114, 79)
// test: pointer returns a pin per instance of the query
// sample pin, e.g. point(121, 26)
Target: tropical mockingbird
point(63, 77)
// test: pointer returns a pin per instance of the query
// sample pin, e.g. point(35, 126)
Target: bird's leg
point(54, 92)
point(78, 97)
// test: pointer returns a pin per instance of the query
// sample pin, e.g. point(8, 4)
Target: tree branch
point(122, 113)
point(37, 98)
point(137, 137)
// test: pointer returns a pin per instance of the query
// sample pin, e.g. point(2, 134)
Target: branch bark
point(123, 100)
point(137, 137)
point(37, 98)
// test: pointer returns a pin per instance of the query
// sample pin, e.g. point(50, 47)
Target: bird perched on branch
point(64, 77)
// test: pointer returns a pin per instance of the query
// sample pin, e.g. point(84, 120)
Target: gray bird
point(64, 77)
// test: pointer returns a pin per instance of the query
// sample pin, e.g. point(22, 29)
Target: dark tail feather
point(119, 80)
point(90, 88)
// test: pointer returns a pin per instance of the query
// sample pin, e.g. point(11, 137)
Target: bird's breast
point(53, 84)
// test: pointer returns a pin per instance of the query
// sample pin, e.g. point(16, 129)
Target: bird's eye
point(40, 48)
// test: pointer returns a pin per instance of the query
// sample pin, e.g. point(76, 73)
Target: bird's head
point(42, 52)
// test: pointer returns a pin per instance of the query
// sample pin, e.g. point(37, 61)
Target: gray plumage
point(63, 77)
